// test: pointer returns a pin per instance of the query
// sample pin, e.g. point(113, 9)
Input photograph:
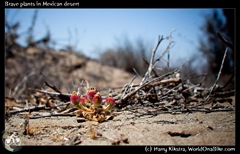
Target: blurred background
point(58, 45)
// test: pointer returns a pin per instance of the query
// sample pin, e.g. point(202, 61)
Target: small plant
point(91, 106)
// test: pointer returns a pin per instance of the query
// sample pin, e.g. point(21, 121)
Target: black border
point(135, 4)
point(114, 149)
point(122, 4)
point(2, 85)
point(237, 76)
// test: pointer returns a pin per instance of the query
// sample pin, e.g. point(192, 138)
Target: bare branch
point(52, 87)
point(166, 50)
point(17, 92)
point(155, 73)
point(34, 108)
point(52, 115)
point(219, 74)
point(160, 38)
point(150, 67)
point(225, 41)
point(145, 84)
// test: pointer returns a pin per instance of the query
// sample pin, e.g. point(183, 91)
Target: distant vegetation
point(128, 56)
point(134, 56)
point(213, 48)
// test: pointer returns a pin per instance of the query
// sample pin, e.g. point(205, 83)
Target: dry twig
point(219, 74)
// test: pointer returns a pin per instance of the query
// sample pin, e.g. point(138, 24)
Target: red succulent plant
point(110, 102)
point(97, 100)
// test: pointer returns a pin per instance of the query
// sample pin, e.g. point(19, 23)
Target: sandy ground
point(216, 128)
point(197, 128)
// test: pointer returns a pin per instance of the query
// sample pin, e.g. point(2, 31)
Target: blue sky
point(94, 30)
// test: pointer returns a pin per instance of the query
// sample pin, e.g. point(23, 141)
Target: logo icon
point(11, 141)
